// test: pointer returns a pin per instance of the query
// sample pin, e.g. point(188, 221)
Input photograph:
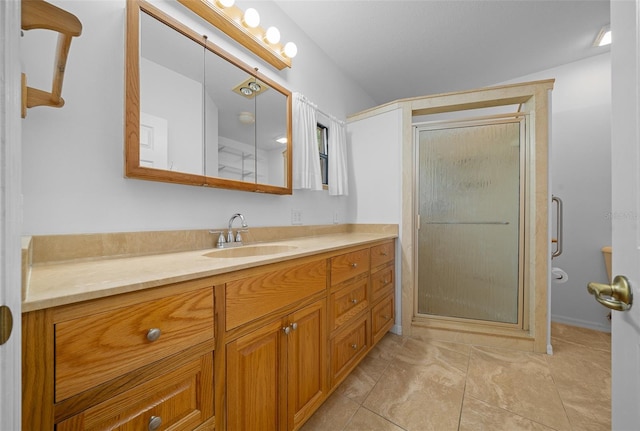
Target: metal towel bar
point(468, 222)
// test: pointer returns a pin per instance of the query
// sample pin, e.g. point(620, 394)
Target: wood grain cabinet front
point(348, 348)
point(179, 400)
point(136, 361)
point(276, 375)
point(382, 317)
point(93, 349)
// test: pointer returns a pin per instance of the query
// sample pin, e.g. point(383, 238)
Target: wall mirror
point(197, 115)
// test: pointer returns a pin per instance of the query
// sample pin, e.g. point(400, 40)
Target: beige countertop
point(54, 283)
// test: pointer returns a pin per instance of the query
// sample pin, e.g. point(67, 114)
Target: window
point(323, 140)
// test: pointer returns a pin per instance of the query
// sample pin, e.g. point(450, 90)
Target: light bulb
point(272, 35)
point(251, 18)
point(225, 3)
point(290, 49)
point(254, 86)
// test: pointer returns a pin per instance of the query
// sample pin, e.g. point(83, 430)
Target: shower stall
point(470, 196)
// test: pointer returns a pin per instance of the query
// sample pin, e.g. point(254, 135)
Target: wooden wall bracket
point(38, 14)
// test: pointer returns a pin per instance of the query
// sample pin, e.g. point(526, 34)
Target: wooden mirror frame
point(132, 108)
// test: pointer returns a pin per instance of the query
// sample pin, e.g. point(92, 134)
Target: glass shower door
point(469, 196)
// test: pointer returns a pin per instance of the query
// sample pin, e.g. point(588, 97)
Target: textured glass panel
point(469, 186)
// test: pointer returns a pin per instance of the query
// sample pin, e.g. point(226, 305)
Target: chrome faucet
point(238, 238)
point(231, 240)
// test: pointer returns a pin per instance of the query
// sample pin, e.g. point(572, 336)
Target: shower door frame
point(523, 228)
point(534, 99)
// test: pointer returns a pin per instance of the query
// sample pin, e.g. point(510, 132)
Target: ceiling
point(406, 48)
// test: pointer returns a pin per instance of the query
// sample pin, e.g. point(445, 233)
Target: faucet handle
point(221, 239)
point(238, 236)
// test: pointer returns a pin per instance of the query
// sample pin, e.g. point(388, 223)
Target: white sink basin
point(250, 250)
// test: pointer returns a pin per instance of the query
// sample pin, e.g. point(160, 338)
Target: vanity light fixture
point(251, 18)
point(604, 37)
point(272, 35)
point(244, 28)
point(225, 3)
point(290, 49)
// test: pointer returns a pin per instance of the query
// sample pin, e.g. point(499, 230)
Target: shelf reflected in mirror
point(197, 115)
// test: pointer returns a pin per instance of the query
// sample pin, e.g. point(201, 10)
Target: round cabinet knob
point(286, 330)
point(154, 423)
point(153, 334)
point(355, 301)
point(354, 265)
point(294, 326)
point(354, 346)
point(386, 281)
point(384, 253)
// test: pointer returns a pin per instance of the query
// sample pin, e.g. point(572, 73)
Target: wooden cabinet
point(142, 360)
point(276, 375)
point(276, 343)
point(255, 349)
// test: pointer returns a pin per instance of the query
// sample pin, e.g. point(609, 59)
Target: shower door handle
point(559, 223)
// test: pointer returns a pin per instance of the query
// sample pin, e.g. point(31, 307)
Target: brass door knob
point(617, 295)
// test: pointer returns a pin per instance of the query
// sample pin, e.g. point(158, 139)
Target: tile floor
point(415, 384)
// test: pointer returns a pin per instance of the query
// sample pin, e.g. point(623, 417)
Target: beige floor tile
point(365, 420)
point(359, 383)
point(519, 382)
point(387, 347)
point(411, 384)
point(333, 415)
point(407, 399)
point(438, 362)
point(479, 416)
point(583, 378)
point(582, 336)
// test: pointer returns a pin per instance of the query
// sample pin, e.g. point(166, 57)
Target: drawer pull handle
point(354, 346)
point(354, 265)
point(286, 330)
point(294, 326)
point(153, 334)
point(154, 423)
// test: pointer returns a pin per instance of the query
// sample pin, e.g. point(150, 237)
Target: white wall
point(376, 176)
point(581, 177)
point(73, 157)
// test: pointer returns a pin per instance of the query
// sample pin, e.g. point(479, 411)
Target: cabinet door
point(256, 370)
point(307, 368)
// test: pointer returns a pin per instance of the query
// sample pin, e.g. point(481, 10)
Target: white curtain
point(338, 182)
point(306, 160)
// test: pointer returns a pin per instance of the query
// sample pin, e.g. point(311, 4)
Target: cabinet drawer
point(349, 265)
point(94, 349)
point(347, 348)
point(382, 253)
point(346, 302)
point(181, 400)
point(382, 317)
point(382, 283)
point(251, 298)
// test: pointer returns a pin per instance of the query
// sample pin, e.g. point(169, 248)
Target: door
point(10, 212)
point(154, 152)
point(625, 337)
point(256, 370)
point(307, 357)
point(469, 194)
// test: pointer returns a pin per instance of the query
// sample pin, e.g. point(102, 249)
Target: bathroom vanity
point(205, 341)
